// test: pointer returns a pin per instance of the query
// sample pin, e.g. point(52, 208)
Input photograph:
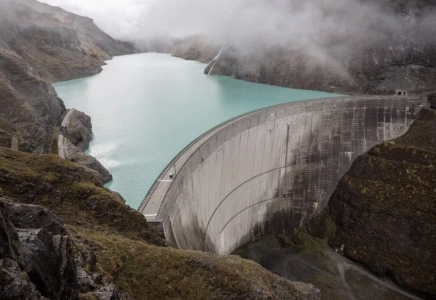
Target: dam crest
point(268, 171)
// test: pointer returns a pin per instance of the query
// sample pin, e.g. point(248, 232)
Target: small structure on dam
point(268, 171)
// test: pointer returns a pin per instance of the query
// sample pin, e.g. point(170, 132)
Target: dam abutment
point(270, 170)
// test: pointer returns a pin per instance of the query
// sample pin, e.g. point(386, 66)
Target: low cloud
point(321, 28)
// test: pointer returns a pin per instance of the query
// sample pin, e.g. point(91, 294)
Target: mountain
point(393, 50)
point(40, 44)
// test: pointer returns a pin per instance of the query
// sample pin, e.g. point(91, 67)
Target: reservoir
point(145, 108)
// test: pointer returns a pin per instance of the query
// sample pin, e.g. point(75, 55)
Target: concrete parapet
point(270, 170)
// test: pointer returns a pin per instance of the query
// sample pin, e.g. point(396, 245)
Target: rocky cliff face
point(373, 71)
point(86, 244)
point(197, 48)
point(29, 106)
point(73, 140)
point(40, 44)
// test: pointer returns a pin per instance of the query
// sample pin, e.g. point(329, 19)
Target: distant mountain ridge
point(405, 59)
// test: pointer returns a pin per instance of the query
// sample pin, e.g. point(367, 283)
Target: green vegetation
point(140, 268)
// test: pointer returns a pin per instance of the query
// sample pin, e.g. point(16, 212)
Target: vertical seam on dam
point(222, 194)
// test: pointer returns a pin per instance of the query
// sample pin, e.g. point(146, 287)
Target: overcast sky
point(117, 18)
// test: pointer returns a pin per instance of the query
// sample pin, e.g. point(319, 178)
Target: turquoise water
point(145, 108)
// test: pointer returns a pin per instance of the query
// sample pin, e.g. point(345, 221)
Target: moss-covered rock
point(70, 192)
point(149, 272)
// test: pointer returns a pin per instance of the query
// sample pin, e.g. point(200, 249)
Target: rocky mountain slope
point(40, 44)
point(196, 47)
point(336, 60)
point(90, 245)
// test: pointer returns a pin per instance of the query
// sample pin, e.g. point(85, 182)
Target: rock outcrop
point(47, 260)
point(432, 100)
point(76, 129)
point(46, 265)
point(43, 265)
point(196, 47)
point(9, 247)
point(29, 107)
point(14, 283)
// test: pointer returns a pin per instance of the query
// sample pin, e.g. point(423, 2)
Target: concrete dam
point(268, 171)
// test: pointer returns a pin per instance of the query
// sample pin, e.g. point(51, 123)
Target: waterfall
point(213, 62)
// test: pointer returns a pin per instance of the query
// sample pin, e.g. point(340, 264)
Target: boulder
point(90, 163)
point(15, 284)
point(78, 129)
point(432, 100)
point(110, 292)
point(9, 242)
point(76, 134)
point(35, 217)
point(47, 259)
point(46, 250)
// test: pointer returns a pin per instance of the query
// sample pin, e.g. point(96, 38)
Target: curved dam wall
point(268, 171)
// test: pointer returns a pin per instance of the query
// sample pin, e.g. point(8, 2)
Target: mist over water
point(146, 108)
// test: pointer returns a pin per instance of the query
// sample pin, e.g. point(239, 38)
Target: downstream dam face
point(268, 171)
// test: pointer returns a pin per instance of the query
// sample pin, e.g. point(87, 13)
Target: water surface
point(145, 108)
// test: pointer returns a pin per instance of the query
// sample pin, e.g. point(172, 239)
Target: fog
point(318, 27)
point(139, 20)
